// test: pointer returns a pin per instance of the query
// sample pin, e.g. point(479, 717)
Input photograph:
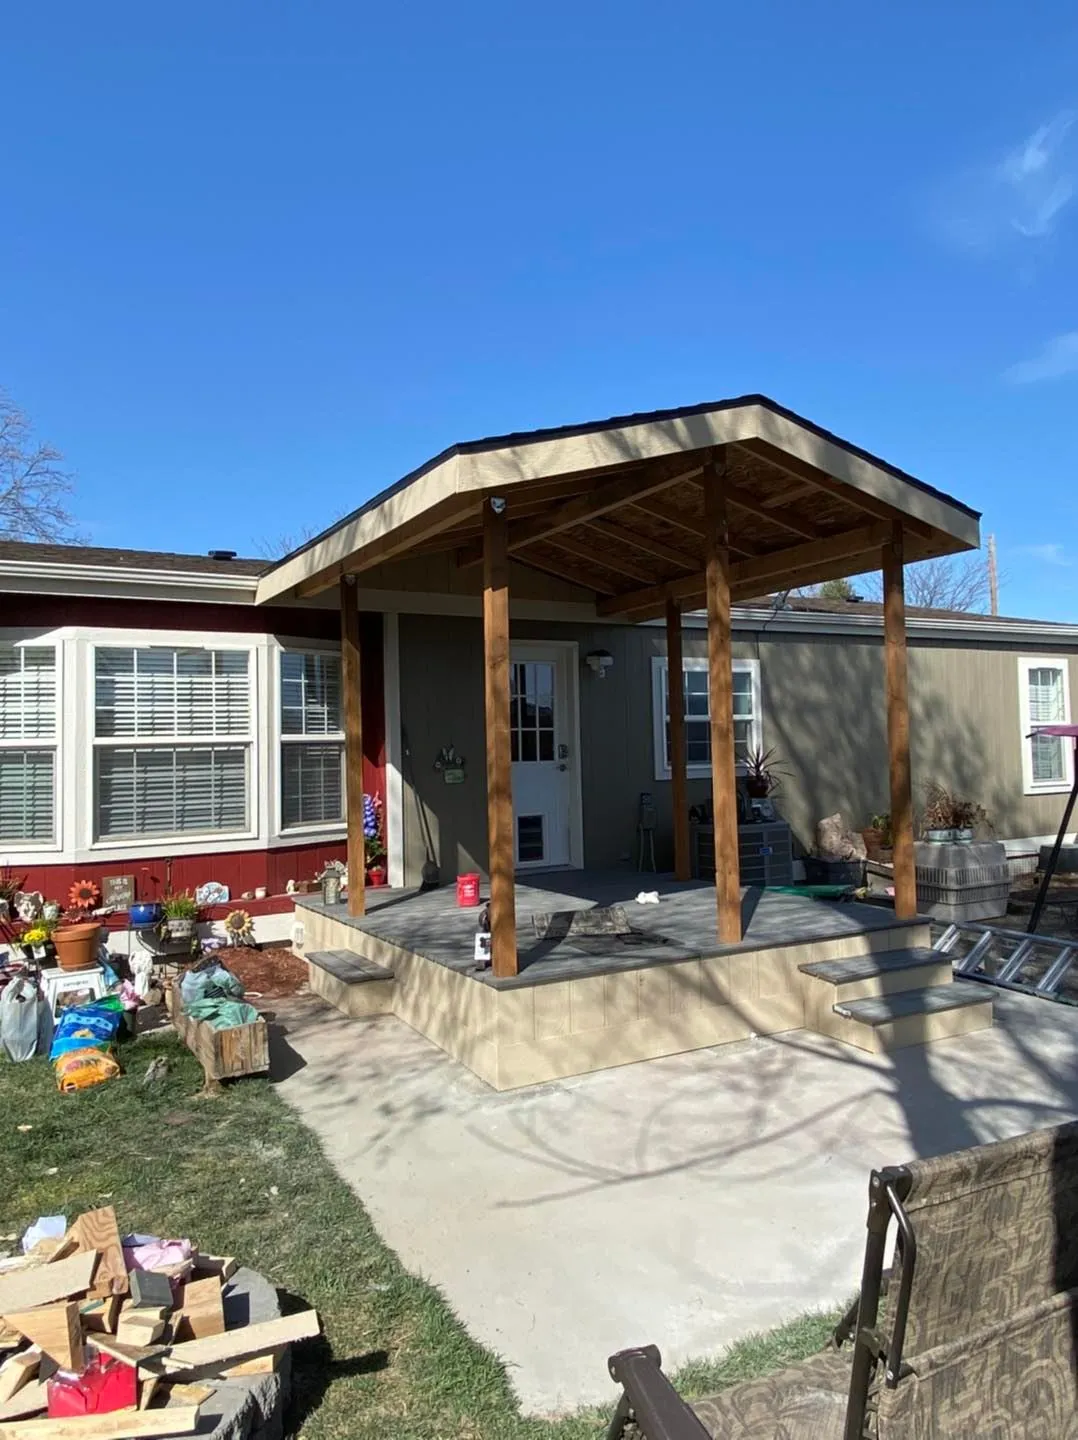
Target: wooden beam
point(721, 708)
point(898, 724)
point(440, 517)
point(678, 791)
point(748, 577)
point(352, 702)
point(820, 480)
point(503, 925)
point(564, 570)
point(646, 543)
point(609, 496)
point(658, 511)
point(599, 555)
point(745, 500)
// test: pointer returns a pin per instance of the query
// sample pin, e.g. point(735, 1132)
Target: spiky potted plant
point(761, 773)
point(180, 914)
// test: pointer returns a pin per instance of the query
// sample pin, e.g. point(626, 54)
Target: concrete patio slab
point(686, 1201)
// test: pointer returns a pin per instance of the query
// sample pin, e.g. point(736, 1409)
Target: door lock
point(563, 753)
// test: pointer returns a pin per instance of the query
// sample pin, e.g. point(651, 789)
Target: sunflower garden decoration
point(239, 927)
point(83, 895)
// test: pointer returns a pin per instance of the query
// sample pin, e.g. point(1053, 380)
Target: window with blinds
point(1045, 700)
point(172, 741)
point(27, 744)
point(312, 740)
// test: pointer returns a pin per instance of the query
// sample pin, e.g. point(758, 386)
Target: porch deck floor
point(681, 927)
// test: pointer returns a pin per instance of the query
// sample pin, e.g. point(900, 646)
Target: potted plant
point(36, 940)
point(374, 840)
point(879, 836)
point(937, 821)
point(761, 773)
point(75, 940)
point(180, 912)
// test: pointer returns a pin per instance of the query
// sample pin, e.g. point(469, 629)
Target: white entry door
point(546, 769)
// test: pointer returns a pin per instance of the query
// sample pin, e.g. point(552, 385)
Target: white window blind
point(312, 740)
point(1047, 706)
point(747, 719)
point(27, 771)
point(172, 740)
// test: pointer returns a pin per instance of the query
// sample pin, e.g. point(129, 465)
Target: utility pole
point(993, 577)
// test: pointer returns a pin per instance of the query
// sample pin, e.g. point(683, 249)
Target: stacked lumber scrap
point(75, 1302)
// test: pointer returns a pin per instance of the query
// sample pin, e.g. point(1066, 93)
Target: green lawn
point(243, 1176)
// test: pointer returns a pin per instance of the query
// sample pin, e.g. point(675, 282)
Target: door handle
point(563, 766)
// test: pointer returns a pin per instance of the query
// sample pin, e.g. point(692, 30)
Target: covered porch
point(639, 517)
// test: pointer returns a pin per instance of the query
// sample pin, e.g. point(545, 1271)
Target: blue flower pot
point(146, 913)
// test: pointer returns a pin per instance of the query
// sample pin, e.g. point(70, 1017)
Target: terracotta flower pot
point(76, 945)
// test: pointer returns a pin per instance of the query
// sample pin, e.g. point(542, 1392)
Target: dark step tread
point(928, 1000)
point(864, 967)
point(347, 966)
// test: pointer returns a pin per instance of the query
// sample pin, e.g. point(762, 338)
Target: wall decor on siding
point(118, 891)
point(212, 892)
point(451, 765)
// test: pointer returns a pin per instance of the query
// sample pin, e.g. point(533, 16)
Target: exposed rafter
point(797, 565)
point(645, 543)
point(818, 480)
point(606, 497)
point(596, 555)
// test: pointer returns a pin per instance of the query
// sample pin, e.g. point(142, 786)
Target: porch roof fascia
point(990, 628)
point(451, 486)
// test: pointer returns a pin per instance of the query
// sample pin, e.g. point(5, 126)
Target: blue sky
point(258, 260)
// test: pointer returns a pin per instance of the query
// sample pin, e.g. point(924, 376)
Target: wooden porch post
point(678, 796)
point(351, 686)
point(503, 925)
point(898, 724)
point(721, 705)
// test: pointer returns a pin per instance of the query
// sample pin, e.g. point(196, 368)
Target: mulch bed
point(272, 972)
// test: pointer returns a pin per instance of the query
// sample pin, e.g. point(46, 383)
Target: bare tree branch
point(950, 582)
point(33, 487)
point(284, 544)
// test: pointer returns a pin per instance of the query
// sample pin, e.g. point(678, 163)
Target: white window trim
point(1026, 663)
point(187, 841)
point(47, 849)
point(658, 718)
point(324, 830)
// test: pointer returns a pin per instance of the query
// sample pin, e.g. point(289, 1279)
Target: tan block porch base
point(535, 1033)
point(373, 998)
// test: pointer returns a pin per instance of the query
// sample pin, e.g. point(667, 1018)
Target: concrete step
point(349, 966)
point(350, 982)
point(885, 973)
point(914, 1017)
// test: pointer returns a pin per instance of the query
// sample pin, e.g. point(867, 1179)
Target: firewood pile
point(103, 1344)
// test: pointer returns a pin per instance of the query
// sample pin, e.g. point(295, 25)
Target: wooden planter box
point(223, 1054)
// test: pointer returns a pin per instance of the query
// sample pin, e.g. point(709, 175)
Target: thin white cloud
point(1058, 357)
point(1020, 196)
point(1051, 553)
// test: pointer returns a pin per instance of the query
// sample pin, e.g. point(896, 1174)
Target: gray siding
point(823, 711)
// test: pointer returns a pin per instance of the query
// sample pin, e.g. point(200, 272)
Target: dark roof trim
point(106, 556)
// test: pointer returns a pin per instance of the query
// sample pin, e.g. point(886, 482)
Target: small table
point(56, 983)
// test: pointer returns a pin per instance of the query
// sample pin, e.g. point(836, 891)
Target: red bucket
point(467, 890)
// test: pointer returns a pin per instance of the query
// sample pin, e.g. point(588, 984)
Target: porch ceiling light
point(599, 662)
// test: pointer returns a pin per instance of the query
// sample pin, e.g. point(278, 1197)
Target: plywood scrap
point(224, 1266)
point(191, 1394)
point(261, 1364)
point(99, 1316)
point(54, 1329)
point(42, 1284)
point(116, 1425)
point(97, 1230)
point(243, 1343)
point(129, 1354)
point(17, 1371)
point(30, 1400)
point(200, 1311)
point(148, 1386)
point(139, 1327)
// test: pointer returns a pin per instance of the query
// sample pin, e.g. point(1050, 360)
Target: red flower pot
point(376, 876)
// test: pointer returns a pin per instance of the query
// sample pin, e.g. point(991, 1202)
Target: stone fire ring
point(249, 1407)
